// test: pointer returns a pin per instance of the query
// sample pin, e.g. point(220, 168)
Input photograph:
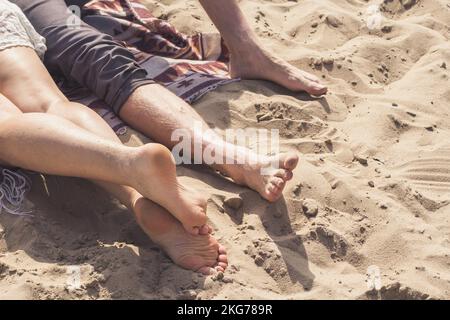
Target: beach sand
point(369, 205)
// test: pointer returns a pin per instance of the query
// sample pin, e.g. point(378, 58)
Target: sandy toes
point(267, 176)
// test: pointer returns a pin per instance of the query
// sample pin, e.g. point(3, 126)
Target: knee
point(73, 112)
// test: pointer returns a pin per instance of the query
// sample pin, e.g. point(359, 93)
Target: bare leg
point(249, 59)
point(52, 145)
point(152, 104)
point(199, 253)
point(26, 82)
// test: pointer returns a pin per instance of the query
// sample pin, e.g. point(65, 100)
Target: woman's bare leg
point(197, 253)
point(22, 76)
point(53, 145)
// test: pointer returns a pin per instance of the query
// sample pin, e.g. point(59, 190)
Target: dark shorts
point(83, 54)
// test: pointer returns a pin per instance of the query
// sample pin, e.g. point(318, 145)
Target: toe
point(222, 258)
point(289, 161)
point(288, 175)
point(223, 265)
point(277, 182)
point(316, 89)
point(220, 269)
point(271, 188)
point(272, 193)
point(195, 231)
point(205, 270)
point(222, 250)
point(284, 174)
point(204, 230)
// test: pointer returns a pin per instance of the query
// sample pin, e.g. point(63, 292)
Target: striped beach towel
point(188, 66)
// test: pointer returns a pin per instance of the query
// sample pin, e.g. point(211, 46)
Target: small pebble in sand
point(407, 4)
point(297, 189)
point(219, 276)
point(314, 24)
point(444, 65)
point(333, 21)
point(227, 280)
point(328, 61)
point(420, 268)
point(394, 104)
point(371, 184)
point(310, 207)
point(317, 63)
point(234, 202)
point(386, 29)
point(264, 117)
point(361, 160)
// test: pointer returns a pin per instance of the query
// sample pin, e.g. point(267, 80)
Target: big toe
point(289, 161)
point(315, 88)
point(272, 193)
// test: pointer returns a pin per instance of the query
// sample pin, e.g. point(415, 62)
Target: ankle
point(245, 46)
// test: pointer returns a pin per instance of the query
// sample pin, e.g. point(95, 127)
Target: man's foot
point(200, 253)
point(260, 64)
point(266, 175)
point(155, 178)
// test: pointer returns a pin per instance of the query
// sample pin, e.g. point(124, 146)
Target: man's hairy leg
point(249, 58)
point(157, 113)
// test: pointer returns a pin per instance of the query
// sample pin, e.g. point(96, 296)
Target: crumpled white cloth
point(14, 185)
point(17, 31)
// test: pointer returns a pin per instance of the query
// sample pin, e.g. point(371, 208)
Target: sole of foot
point(200, 253)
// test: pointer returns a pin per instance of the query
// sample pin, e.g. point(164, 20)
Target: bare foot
point(265, 66)
point(155, 178)
point(267, 175)
point(200, 253)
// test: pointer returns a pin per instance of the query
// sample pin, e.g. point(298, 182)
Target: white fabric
point(17, 31)
point(14, 186)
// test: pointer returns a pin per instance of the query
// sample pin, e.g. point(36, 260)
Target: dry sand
point(375, 166)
